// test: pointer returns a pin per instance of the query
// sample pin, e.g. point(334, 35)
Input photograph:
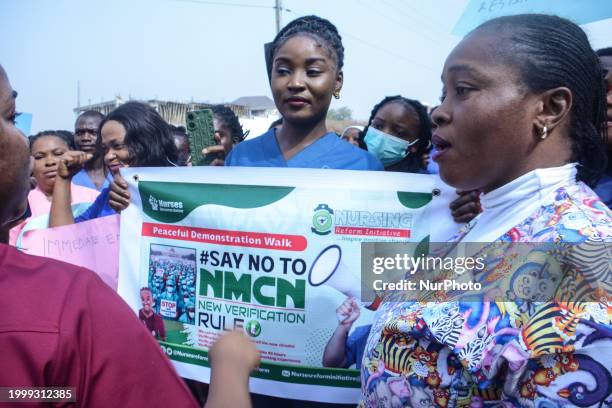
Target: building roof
point(171, 112)
point(255, 102)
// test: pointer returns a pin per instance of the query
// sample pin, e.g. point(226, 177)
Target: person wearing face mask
point(399, 135)
point(170, 295)
point(189, 316)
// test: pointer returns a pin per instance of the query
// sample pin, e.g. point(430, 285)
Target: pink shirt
point(41, 205)
point(62, 326)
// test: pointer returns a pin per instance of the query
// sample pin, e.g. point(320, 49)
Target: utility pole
point(78, 94)
point(279, 8)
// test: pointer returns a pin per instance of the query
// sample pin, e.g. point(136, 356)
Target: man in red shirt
point(62, 326)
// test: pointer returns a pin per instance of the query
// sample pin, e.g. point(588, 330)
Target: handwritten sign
point(580, 12)
point(92, 244)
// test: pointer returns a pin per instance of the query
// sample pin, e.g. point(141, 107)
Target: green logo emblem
point(322, 220)
point(253, 328)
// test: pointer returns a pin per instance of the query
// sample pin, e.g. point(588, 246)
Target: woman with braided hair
point(398, 134)
point(521, 119)
point(304, 63)
point(305, 69)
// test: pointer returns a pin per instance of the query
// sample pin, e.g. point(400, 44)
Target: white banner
point(275, 252)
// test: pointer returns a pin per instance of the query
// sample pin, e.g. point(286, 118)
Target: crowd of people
point(521, 132)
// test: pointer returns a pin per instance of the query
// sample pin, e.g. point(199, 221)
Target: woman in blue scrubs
point(305, 72)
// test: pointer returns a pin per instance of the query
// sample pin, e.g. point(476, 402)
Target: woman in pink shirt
point(46, 149)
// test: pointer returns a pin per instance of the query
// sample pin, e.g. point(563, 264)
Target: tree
point(343, 113)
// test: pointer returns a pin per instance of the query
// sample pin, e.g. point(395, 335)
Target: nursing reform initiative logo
point(165, 206)
point(322, 220)
point(154, 203)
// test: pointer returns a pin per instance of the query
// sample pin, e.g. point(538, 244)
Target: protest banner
point(275, 255)
point(93, 244)
point(581, 12)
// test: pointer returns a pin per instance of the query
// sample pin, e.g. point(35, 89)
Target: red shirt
point(62, 326)
point(153, 323)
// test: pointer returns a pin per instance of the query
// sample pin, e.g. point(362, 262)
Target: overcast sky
point(183, 50)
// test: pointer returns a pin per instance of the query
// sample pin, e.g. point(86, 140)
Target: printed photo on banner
point(171, 280)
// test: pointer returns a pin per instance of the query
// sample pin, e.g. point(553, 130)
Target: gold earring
point(337, 94)
point(544, 134)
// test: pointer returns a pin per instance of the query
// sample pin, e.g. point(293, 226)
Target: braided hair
point(413, 163)
point(317, 28)
point(550, 52)
point(229, 119)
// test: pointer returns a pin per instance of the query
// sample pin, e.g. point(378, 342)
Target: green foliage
point(343, 113)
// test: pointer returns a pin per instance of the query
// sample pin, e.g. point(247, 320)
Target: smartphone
point(201, 133)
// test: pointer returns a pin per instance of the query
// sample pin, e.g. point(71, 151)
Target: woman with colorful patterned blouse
point(521, 119)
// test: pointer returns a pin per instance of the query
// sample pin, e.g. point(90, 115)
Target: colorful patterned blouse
point(503, 353)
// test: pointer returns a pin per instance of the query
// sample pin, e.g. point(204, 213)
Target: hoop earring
point(337, 94)
point(544, 134)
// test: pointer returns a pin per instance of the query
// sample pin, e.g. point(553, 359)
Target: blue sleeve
point(98, 209)
point(229, 159)
point(355, 345)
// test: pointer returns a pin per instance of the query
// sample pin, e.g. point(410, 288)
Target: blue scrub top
point(604, 190)
point(99, 208)
point(82, 179)
point(355, 346)
point(327, 152)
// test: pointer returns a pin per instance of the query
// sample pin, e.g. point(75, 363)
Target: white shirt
point(512, 203)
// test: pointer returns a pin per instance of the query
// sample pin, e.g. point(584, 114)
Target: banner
point(580, 12)
point(92, 244)
point(274, 252)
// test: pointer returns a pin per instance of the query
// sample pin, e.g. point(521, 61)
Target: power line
point(423, 20)
point(369, 44)
point(428, 18)
point(374, 46)
point(223, 3)
point(400, 23)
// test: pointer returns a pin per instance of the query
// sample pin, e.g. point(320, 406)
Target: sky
point(183, 50)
